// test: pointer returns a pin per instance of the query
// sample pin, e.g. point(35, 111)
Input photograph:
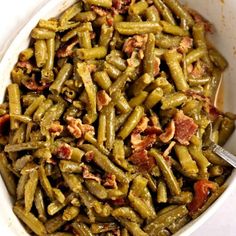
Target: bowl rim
point(9, 58)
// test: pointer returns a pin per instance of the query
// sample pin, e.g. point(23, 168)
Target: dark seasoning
point(103, 124)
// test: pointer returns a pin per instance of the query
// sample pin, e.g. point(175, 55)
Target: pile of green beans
point(89, 129)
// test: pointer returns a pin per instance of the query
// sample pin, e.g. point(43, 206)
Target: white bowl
point(219, 13)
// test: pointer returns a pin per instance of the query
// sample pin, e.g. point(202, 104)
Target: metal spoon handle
point(227, 156)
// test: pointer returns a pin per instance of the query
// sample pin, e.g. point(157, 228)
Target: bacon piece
point(118, 202)
point(169, 132)
point(198, 70)
point(100, 11)
point(88, 175)
point(169, 148)
point(156, 64)
point(142, 125)
point(63, 151)
point(110, 181)
point(31, 84)
point(89, 156)
point(67, 50)
point(120, 6)
point(4, 124)
point(77, 129)
point(142, 160)
point(103, 99)
point(201, 190)
point(199, 19)
point(25, 65)
point(185, 44)
point(137, 41)
point(185, 128)
point(139, 143)
point(56, 128)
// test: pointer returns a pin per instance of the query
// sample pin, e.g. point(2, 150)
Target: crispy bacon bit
point(77, 129)
point(185, 44)
point(31, 84)
point(198, 70)
point(120, 6)
point(56, 128)
point(110, 181)
point(201, 190)
point(103, 99)
point(137, 41)
point(88, 175)
point(89, 156)
point(118, 202)
point(169, 148)
point(139, 143)
point(142, 160)
point(4, 124)
point(156, 64)
point(185, 128)
point(169, 133)
point(100, 11)
point(199, 19)
point(25, 65)
point(63, 151)
point(67, 50)
point(142, 125)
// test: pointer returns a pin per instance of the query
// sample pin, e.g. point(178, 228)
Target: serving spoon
point(217, 149)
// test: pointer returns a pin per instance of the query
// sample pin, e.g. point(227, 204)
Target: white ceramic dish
point(219, 13)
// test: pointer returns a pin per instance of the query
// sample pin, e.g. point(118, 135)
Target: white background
point(13, 15)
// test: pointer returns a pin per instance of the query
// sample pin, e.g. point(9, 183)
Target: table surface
point(13, 15)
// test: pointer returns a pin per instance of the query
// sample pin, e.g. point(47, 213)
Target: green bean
point(218, 59)
point(20, 189)
point(83, 27)
point(227, 127)
point(30, 188)
point(102, 79)
point(40, 33)
point(173, 29)
point(179, 11)
point(165, 219)
point(173, 100)
point(148, 64)
point(178, 224)
point(161, 192)
point(119, 84)
point(131, 122)
point(103, 227)
point(167, 172)
point(152, 14)
point(103, 162)
point(46, 185)
point(214, 159)
point(194, 55)
point(116, 61)
point(63, 75)
point(131, 28)
point(164, 11)
point(54, 224)
point(58, 195)
point(199, 81)
point(7, 175)
point(25, 146)
point(26, 54)
point(200, 159)
point(138, 100)
point(100, 3)
point(91, 53)
point(39, 204)
point(112, 70)
point(127, 213)
point(30, 220)
point(80, 228)
point(40, 53)
point(67, 166)
point(70, 213)
point(34, 105)
point(215, 171)
point(167, 41)
point(184, 197)
point(21, 118)
point(73, 181)
point(70, 13)
point(176, 70)
point(120, 101)
point(48, 24)
point(153, 98)
point(132, 227)
point(14, 104)
point(105, 35)
point(185, 159)
point(96, 189)
point(138, 8)
point(76, 155)
point(101, 136)
point(42, 109)
point(84, 39)
point(85, 16)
